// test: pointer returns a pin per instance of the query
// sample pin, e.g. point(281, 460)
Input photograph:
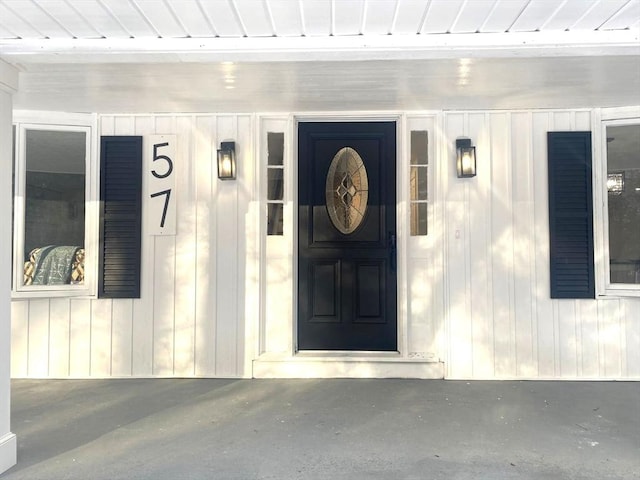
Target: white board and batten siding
point(189, 320)
point(501, 320)
point(220, 292)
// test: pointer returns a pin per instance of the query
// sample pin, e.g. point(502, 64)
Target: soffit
point(288, 55)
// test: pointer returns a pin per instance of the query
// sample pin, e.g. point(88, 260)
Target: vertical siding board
point(589, 339)
point(458, 287)
point(632, 337)
point(609, 318)
point(19, 338)
point(80, 338)
point(205, 304)
point(185, 281)
point(164, 286)
point(124, 125)
point(479, 245)
point(245, 230)
point(122, 342)
point(582, 120)
point(502, 244)
point(101, 337)
point(610, 335)
point(563, 121)
point(106, 125)
point(142, 316)
point(567, 339)
point(545, 340)
point(524, 244)
point(59, 310)
point(226, 201)
point(39, 338)
point(622, 340)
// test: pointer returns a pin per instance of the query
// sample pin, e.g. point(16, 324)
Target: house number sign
point(160, 179)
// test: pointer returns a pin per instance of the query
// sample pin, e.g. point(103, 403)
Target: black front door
point(347, 236)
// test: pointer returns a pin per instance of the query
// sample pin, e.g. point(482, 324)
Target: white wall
point(501, 321)
point(190, 318)
point(477, 288)
point(8, 84)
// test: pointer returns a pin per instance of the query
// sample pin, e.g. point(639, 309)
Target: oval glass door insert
point(347, 190)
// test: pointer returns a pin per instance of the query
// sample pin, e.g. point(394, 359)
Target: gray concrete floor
point(325, 429)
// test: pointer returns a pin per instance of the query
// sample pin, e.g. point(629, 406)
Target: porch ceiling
point(288, 55)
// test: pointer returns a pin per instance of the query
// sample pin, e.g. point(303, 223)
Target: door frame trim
point(401, 230)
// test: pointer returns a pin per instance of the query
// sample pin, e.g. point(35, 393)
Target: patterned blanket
point(54, 265)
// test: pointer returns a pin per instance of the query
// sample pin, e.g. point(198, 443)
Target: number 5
point(156, 146)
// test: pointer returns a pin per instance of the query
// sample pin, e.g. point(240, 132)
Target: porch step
point(341, 366)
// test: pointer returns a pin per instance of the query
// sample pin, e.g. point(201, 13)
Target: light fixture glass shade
point(465, 158)
point(227, 161)
point(615, 183)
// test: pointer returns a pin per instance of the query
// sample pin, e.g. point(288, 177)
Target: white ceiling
point(302, 55)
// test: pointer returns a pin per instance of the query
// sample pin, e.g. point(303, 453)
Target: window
point(52, 226)
point(275, 183)
point(418, 182)
point(622, 204)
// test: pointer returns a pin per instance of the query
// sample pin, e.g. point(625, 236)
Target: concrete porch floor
point(325, 429)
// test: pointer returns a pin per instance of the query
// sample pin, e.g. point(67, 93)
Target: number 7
point(166, 203)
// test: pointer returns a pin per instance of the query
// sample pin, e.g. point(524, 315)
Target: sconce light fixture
point(465, 158)
point(227, 161)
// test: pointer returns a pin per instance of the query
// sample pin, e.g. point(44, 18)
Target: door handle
point(391, 245)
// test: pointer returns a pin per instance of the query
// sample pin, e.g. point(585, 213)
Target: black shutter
point(120, 217)
point(570, 215)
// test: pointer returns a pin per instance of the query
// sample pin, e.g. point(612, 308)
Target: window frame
point(608, 118)
point(56, 121)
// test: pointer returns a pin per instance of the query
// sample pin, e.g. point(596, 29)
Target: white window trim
point(605, 118)
point(62, 122)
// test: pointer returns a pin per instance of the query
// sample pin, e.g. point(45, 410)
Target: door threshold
point(308, 364)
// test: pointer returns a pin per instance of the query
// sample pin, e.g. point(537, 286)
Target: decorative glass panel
point(275, 147)
point(347, 190)
point(274, 219)
point(419, 148)
point(419, 182)
point(275, 183)
point(419, 212)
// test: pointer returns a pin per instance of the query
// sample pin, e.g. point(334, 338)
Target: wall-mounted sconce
point(227, 161)
point(465, 158)
point(615, 183)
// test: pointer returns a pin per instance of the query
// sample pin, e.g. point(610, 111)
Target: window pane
point(623, 184)
point(419, 154)
point(419, 212)
point(54, 207)
point(418, 183)
point(274, 218)
point(275, 183)
point(275, 148)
